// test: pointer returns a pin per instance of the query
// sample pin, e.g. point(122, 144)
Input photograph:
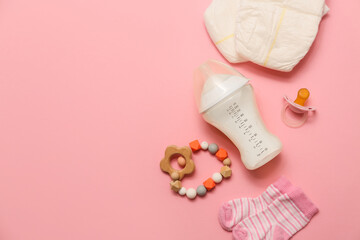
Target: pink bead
point(181, 161)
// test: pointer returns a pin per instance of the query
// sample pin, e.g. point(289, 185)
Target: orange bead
point(195, 145)
point(221, 154)
point(209, 184)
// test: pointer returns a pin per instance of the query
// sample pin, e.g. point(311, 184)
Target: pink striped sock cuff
point(305, 205)
point(298, 197)
point(284, 185)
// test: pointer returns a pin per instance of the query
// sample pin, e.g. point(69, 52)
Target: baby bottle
point(226, 100)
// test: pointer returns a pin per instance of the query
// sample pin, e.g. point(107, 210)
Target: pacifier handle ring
point(292, 123)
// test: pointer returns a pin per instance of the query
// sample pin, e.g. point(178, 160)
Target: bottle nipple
point(303, 95)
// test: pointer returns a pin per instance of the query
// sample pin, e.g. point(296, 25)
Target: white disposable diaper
point(277, 33)
point(220, 21)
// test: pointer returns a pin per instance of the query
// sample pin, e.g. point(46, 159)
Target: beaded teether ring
point(189, 166)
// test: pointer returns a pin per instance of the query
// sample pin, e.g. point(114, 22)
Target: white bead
point(204, 145)
point(217, 177)
point(182, 191)
point(191, 193)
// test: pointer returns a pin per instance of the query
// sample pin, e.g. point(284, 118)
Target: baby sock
point(284, 217)
point(232, 212)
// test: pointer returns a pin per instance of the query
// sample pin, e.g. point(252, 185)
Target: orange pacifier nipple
point(297, 106)
point(303, 95)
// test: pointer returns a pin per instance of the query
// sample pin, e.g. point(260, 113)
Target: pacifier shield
point(298, 107)
point(293, 123)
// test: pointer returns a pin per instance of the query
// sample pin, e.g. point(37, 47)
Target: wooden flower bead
point(173, 150)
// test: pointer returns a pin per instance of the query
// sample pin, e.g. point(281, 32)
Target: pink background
point(92, 92)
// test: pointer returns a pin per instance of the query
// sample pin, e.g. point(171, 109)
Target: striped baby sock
point(232, 212)
point(284, 217)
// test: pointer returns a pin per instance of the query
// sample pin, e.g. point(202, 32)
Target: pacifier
point(297, 106)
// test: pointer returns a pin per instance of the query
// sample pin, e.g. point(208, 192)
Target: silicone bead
point(217, 177)
point(201, 190)
point(182, 191)
point(181, 161)
point(195, 145)
point(191, 193)
point(209, 184)
point(213, 148)
point(204, 145)
point(221, 154)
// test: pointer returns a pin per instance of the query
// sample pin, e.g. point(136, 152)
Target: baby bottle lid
point(213, 81)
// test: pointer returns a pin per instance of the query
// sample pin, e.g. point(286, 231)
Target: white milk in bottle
point(226, 101)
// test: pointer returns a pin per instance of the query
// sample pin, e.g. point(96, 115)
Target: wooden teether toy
point(189, 163)
point(189, 166)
